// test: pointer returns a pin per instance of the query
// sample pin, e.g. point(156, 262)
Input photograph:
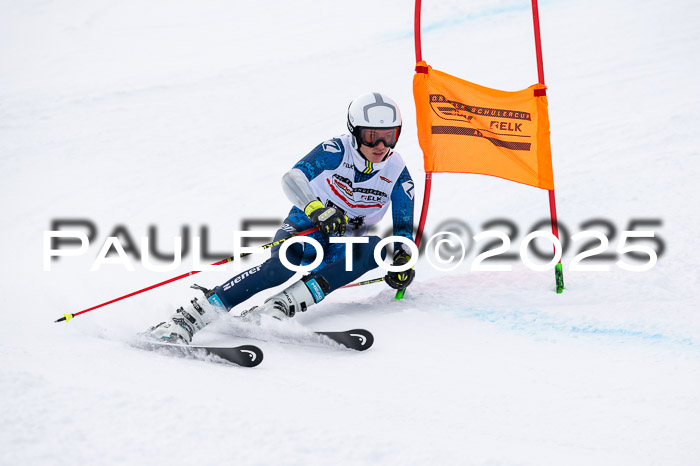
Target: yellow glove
point(329, 220)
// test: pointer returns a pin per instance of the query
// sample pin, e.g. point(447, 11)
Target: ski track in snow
point(182, 116)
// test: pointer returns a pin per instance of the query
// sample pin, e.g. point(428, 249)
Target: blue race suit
point(340, 177)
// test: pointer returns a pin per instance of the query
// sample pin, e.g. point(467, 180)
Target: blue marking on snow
point(534, 323)
point(447, 23)
point(483, 14)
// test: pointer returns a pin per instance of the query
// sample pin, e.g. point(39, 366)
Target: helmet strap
point(356, 140)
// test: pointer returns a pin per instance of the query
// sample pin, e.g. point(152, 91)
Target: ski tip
point(244, 355)
point(364, 337)
point(254, 353)
point(357, 339)
point(66, 317)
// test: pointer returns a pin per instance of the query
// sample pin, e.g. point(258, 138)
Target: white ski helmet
point(374, 111)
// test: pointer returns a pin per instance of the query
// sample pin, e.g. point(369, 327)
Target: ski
point(357, 339)
point(244, 355)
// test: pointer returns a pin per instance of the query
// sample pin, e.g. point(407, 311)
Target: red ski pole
point(67, 317)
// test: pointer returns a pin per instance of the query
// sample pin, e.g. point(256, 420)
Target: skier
point(343, 186)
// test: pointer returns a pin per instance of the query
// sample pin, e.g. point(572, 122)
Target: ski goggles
point(373, 136)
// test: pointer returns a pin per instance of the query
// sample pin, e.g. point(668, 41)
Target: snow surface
point(187, 113)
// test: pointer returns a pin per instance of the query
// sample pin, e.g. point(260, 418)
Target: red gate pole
point(558, 270)
point(416, 32)
point(428, 175)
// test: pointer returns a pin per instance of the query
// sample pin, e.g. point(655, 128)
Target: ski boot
point(296, 298)
point(183, 324)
